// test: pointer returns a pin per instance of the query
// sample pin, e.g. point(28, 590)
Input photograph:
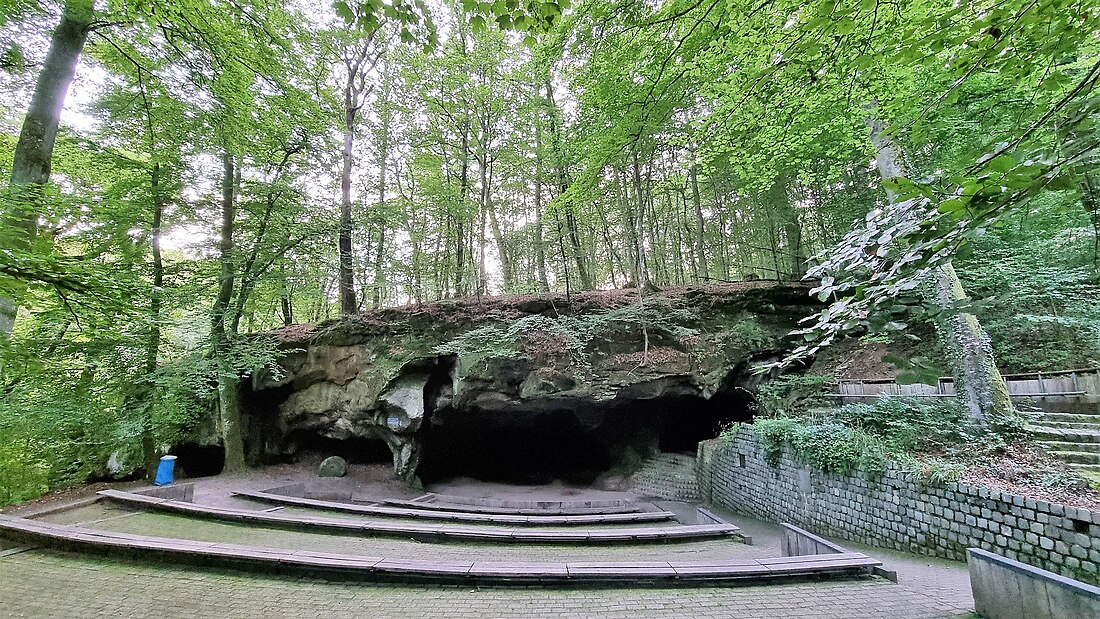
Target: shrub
point(830, 446)
point(772, 434)
point(908, 424)
point(795, 394)
point(23, 475)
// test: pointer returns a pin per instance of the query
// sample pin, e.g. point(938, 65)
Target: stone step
point(1067, 435)
point(668, 476)
point(1085, 468)
point(1071, 417)
point(456, 516)
point(1068, 446)
point(1067, 425)
point(426, 532)
point(331, 566)
point(1079, 457)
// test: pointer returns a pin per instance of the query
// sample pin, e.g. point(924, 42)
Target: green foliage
point(772, 433)
point(728, 433)
point(795, 394)
point(938, 472)
point(25, 476)
point(867, 437)
point(1038, 280)
point(908, 424)
point(829, 446)
point(747, 334)
point(567, 335)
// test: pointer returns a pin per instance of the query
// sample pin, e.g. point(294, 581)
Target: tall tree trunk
point(286, 303)
point(678, 248)
point(502, 249)
point(540, 243)
point(703, 272)
point(977, 380)
point(460, 220)
point(348, 303)
point(30, 169)
point(628, 209)
point(380, 266)
point(229, 404)
point(385, 119)
point(641, 273)
point(152, 342)
point(563, 185)
point(613, 257)
point(358, 61)
point(482, 207)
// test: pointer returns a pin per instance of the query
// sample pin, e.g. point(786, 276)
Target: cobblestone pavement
point(40, 584)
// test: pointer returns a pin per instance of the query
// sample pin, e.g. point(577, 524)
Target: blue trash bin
point(165, 471)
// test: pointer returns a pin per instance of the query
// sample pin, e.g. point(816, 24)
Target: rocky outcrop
point(391, 374)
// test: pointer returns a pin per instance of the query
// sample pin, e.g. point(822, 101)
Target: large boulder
point(333, 466)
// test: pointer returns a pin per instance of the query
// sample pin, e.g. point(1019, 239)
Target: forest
point(182, 173)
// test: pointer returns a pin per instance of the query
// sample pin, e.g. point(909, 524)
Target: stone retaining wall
point(894, 511)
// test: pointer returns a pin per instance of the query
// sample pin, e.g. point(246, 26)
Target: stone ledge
point(430, 532)
point(454, 515)
point(363, 568)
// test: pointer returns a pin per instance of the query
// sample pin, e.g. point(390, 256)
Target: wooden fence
point(1081, 386)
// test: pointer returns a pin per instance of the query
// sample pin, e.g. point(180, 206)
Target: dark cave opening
point(575, 445)
point(194, 460)
point(529, 447)
point(686, 421)
point(355, 449)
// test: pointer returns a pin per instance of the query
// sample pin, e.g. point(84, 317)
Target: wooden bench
point(446, 532)
point(517, 511)
point(333, 566)
point(456, 516)
point(530, 503)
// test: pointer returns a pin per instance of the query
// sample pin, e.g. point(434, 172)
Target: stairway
point(1071, 437)
point(670, 476)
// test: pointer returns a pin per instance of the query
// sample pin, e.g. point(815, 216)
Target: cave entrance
point(354, 449)
point(575, 445)
point(684, 422)
point(527, 447)
point(194, 460)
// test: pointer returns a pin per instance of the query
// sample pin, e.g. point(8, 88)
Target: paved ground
point(39, 584)
point(48, 584)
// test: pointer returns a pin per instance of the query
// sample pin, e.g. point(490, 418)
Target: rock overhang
point(387, 373)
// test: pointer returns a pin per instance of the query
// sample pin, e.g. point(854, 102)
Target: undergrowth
point(571, 336)
point(795, 394)
point(927, 438)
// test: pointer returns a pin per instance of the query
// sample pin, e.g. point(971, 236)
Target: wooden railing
point(1084, 383)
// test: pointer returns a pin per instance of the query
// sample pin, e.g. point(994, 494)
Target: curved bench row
point(363, 568)
point(425, 531)
point(446, 506)
point(533, 503)
point(456, 516)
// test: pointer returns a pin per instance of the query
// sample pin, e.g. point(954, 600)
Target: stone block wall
point(895, 511)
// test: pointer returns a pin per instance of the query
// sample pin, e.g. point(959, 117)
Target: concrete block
point(1007, 589)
